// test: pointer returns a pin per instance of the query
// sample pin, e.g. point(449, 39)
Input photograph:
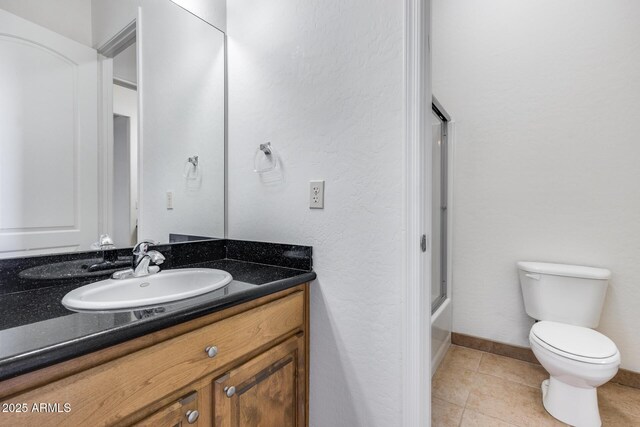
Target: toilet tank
point(563, 293)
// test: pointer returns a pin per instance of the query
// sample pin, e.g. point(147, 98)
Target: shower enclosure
point(441, 315)
point(440, 121)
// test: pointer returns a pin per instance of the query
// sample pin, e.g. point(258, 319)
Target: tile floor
point(474, 388)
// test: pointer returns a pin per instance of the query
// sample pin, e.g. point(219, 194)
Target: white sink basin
point(156, 289)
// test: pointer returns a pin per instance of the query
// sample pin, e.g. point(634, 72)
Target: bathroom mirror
point(111, 122)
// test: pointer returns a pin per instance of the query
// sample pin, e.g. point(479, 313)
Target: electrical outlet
point(316, 195)
point(169, 199)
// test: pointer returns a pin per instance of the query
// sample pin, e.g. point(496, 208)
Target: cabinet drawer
point(181, 413)
point(110, 392)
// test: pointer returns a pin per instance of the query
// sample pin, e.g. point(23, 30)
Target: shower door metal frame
point(444, 117)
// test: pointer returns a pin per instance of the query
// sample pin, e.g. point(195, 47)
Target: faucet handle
point(106, 242)
point(143, 246)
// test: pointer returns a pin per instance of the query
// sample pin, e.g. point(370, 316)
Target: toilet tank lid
point(565, 270)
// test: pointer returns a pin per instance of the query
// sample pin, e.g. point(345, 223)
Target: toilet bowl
point(578, 360)
point(566, 301)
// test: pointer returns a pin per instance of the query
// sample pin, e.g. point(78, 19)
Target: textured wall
point(323, 81)
point(545, 96)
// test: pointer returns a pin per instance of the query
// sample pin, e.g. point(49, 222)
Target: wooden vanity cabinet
point(243, 366)
point(181, 413)
point(268, 390)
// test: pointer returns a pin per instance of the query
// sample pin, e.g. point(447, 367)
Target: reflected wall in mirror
point(112, 123)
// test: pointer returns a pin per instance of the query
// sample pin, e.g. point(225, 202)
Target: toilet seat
point(575, 342)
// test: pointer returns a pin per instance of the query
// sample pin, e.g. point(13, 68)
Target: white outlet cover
point(316, 194)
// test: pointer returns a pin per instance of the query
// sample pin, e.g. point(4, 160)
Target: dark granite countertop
point(36, 330)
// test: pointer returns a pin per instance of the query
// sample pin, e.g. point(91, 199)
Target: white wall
point(323, 81)
point(125, 65)
point(182, 115)
point(545, 95)
point(111, 16)
point(70, 18)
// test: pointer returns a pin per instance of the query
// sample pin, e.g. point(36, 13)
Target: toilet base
point(575, 406)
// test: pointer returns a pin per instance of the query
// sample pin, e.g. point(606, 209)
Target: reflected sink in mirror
point(164, 287)
point(76, 269)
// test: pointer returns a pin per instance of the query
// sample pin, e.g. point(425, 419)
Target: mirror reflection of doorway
point(125, 148)
point(124, 233)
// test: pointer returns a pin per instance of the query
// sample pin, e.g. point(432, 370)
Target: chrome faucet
point(142, 257)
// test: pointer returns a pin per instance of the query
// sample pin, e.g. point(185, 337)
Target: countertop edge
point(24, 363)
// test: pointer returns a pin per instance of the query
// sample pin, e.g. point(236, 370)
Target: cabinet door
point(267, 391)
point(181, 413)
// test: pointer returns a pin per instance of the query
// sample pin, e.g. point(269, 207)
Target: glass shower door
point(439, 208)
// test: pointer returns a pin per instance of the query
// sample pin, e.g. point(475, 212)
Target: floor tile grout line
point(509, 380)
point(467, 400)
point(480, 362)
point(509, 423)
point(462, 416)
point(503, 378)
point(488, 415)
point(513, 359)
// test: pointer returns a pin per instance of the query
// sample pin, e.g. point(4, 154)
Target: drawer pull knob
point(211, 351)
point(230, 391)
point(192, 416)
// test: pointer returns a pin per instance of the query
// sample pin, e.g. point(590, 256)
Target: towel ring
point(191, 170)
point(265, 159)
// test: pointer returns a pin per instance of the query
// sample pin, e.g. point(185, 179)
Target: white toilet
point(567, 301)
